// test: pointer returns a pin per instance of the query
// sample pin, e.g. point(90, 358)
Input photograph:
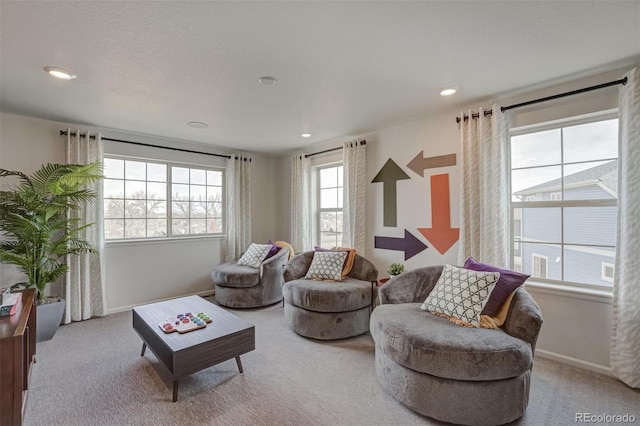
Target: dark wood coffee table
point(226, 337)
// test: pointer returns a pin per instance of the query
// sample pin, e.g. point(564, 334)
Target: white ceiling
point(343, 68)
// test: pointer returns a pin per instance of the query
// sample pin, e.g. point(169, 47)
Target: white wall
point(577, 327)
point(140, 272)
point(25, 144)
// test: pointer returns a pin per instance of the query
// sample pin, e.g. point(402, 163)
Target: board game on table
point(183, 323)
point(225, 337)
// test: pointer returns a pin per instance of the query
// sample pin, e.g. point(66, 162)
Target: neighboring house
point(587, 235)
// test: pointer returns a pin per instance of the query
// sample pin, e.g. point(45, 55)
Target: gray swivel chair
point(469, 376)
point(328, 310)
point(239, 286)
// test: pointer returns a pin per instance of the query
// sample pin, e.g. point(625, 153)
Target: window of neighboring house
point(540, 268)
point(517, 233)
point(608, 269)
point(517, 265)
point(148, 199)
point(329, 202)
point(572, 168)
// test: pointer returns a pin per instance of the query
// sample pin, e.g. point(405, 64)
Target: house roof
point(603, 174)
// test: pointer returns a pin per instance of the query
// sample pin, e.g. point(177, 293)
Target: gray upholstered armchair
point(240, 286)
point(328, 310)
point(471, 376)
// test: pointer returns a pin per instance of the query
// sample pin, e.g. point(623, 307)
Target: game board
point(183, 323)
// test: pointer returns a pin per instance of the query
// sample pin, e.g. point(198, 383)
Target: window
point(329, 226)
point(517, 234)
point(540, 269)
point(563, 200)
point(147, 199)
point(517, 265)
point(608, 269)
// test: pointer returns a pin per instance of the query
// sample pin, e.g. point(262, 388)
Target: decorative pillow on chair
point(327, 265)
point(348, 261)
point(509, 281)
point(254, 255)
point(461, 294)
point(275, 248)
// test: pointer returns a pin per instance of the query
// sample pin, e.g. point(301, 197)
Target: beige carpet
point(91, 373)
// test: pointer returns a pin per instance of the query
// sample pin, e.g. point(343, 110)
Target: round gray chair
point(239, 286)
point(469, 376)
point(328, 310)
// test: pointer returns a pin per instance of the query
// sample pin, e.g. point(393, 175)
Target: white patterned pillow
point(254, 255)
point(327, 265)
point(461, 293)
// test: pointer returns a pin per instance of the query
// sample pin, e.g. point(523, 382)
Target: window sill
point(165, 240)
point(573, 292)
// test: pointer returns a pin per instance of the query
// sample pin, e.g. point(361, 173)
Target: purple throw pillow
point(273, 250)
point(507, 283)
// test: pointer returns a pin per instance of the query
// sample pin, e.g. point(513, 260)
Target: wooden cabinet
point(17, 353)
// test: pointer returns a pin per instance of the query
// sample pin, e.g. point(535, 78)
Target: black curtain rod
point(362, 142)
point(84, 135)
point(550, 98)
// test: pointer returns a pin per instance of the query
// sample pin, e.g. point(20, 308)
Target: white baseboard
point(128, 307)
point(574, 362)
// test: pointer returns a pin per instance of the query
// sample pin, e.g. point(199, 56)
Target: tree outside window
point(137, 196)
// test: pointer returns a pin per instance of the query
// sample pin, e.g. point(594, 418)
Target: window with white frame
point(329, 206)
point(540, 267)
point(563, 199)
point(608, 269)
point(154, 199)
point(517, 265)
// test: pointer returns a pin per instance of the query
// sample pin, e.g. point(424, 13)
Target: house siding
point(593, 225)
point(591, 192)
point(579, 266)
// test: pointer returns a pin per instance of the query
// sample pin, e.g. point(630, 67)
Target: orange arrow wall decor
point(440, 235)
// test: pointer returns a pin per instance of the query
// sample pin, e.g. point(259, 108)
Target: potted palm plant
point(37, 232)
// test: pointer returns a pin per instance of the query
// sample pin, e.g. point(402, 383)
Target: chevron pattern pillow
point(326, 265)
point(461, 294)
point(254, 255)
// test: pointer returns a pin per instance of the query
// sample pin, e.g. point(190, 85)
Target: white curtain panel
point(625, 334)
point(484, 197)
point(354, 157)
point(238, 186)
point(85, 281)
point(300, 203)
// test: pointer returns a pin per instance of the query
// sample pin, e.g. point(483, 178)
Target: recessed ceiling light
point(60, 73)
point(449, 91)
point(197, 124)
point(306, 135)
point(267, 81)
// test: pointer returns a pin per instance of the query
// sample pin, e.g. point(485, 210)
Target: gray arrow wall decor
point(389, 174)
